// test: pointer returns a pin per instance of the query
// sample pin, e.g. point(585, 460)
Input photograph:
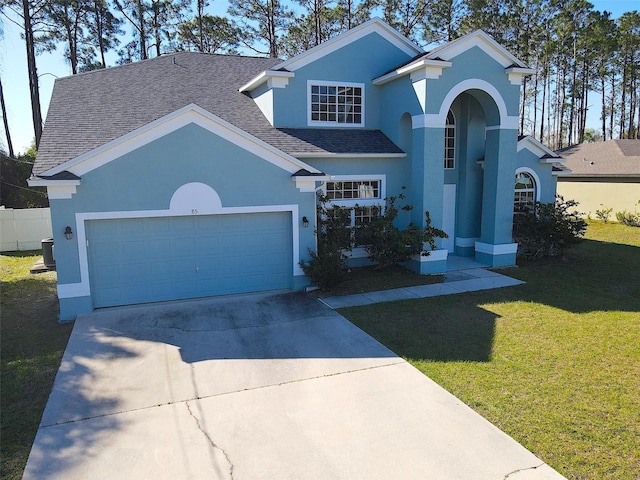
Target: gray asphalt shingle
point(91, 109)
point(602, 159)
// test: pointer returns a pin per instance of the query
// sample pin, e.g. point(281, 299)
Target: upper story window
point(336, 104)
point(525, 192)
point(450, 142)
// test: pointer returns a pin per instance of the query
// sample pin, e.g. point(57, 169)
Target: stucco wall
point(598, 195)
point(143, 183)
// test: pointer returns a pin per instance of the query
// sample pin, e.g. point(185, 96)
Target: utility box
point(48, 253)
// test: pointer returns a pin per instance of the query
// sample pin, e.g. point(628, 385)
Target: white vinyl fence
point(24, 229)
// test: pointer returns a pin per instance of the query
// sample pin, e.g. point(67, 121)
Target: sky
point(15, 81)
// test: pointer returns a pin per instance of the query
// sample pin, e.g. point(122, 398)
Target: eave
point(276, 79)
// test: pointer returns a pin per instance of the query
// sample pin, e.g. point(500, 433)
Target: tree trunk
point(6, 123)
point(612, 105)
point(34, 89)
point(604, 109)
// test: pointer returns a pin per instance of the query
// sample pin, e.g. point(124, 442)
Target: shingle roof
point(91, 109)
point(603, 159)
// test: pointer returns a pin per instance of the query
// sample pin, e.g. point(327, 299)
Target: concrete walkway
point(458, 281)
point(271, 386)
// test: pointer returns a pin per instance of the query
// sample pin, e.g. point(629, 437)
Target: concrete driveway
point(270, 386)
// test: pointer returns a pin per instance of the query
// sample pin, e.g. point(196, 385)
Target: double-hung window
point(336, 104)
point(525, 192)
point(362, 196)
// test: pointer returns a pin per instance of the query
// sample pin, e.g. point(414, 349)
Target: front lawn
point(32, 346)
point(555, 363)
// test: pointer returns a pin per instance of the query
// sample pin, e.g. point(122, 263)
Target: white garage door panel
point(153, 259)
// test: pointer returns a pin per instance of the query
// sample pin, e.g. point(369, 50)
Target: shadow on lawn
point(594, 277)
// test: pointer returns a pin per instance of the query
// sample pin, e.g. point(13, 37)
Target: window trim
point(536, 186)
point(448, 126)
point(360, 202)
point(324, 123)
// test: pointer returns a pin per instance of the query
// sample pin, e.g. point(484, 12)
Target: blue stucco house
point(192, 175)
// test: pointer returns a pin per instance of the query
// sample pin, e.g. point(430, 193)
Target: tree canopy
point(574, 49)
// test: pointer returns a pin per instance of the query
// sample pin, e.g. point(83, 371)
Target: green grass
point(555, 363)
point(32, 344)
point(368, 279)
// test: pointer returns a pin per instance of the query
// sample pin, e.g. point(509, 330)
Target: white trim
point(466, 242)
point(538, 149)
point(308, 184)
point(273, 78)
point(336, 124)
point(474, 84)
point(46, 182)
point(72, 290)
point(502, 249)
point(477, 39)
point(418, 70)
point(200, 195)
point(60, 192)
point(346, 155)
point(169, 123)
point(516, 74)
point(434, 256)
point(438, 120)
point(375, 25)
point(536, 188)
point(362, 202)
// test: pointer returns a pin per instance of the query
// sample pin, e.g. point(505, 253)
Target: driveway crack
point(522, 470)
point(210, 440)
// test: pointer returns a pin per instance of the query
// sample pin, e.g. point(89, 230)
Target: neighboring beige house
point(603, 175)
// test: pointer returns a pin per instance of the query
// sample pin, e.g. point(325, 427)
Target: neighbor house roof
point(91, 109)
point(613, 158)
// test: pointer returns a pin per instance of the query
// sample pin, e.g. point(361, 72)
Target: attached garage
point(139, 260)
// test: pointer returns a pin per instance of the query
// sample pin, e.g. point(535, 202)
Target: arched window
point(525, 192)
point(450, 142)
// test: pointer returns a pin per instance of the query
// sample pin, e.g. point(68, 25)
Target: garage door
point(153, 259)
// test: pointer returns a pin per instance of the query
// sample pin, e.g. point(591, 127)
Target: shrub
point(604, 213)
point(389, 245)
point(334, 237)
point(548, 229)
point(386, 244)
point(632, 219)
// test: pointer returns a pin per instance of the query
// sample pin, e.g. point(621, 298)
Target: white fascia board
point(347, 155)
point(42, 182)
point(265, 77)
point(425, 64)
point(516, 74)
point(481, 40)
point(375, 25)
point(564, 173)
point(538, 149)
point(169, 123)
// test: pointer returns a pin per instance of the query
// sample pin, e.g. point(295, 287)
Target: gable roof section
point(613, 158)
point(478, 39)
point(441, 56)
point(545, 154)
point(375, 25)
point(191, 114)
point(92, 109)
